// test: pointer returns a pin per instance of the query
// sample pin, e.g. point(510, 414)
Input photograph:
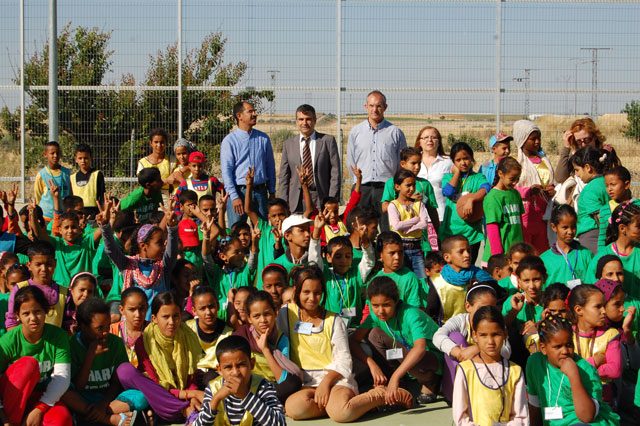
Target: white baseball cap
point(294, 220)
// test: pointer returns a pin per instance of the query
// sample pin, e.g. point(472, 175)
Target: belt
point(411, 244)
point(374, 184)
point(262, 185)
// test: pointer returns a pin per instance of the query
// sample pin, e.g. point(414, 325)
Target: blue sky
point(402, 45)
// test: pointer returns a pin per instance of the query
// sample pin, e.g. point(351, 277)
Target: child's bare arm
point(358, 174)
point(304, 177)
point(222, 213)
point(34, 224)
point(247, 196)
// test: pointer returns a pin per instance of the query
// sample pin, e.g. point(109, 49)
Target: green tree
point(632, 130)
point(105, 118)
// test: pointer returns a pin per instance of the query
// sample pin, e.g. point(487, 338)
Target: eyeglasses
point(584, 141)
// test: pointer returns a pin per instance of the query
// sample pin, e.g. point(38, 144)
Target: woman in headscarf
point(180, 172)
point(536, 185)
point(168, 355)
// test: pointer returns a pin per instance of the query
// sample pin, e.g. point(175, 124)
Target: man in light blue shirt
point(374, 146)
point(243, 148)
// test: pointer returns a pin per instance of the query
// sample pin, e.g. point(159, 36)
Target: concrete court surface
point(437, 413)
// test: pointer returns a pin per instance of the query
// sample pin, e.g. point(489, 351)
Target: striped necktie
point(307, 164)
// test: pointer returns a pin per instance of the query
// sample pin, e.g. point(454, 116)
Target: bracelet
point(43, 407)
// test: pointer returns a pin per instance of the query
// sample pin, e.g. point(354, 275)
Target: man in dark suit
point(315, 152)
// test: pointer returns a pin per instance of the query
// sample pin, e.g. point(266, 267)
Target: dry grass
point(477, 126)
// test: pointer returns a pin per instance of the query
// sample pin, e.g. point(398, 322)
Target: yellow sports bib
point(330, 233)
point(207, 191)
point(310, 351)
point(56, 312)
point(588, 347)
point(451, 296)
point(486, 401)
point(406, 214)
point(209, 360)
point(88, 192)
point(262, 366)
point(221, 418)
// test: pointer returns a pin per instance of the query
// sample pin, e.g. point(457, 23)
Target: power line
point(594, 78)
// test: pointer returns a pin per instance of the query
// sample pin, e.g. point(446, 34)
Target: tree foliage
point(105, 118)
point(632, 130)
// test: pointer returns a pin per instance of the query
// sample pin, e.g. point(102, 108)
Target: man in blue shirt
point(243, 148)
point(375, 145)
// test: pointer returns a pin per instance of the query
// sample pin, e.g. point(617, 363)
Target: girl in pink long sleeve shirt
point(594, 340)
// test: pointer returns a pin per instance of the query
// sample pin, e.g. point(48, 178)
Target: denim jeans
point(259, 199)
point(414, 259)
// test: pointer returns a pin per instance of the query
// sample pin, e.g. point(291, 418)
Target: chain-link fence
point(466, 67)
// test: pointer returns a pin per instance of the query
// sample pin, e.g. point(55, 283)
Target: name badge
point(394, 354)
point(302, 327)
point(494, 423)
point(348, 312)
point(574, 283)
point(553, 413)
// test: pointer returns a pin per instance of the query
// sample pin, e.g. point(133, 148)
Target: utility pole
point(575, 82)
point(273, 102)
point(53, 70)
point(526, 80)
point(594, 78)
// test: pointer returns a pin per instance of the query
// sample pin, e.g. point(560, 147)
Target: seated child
point(274, 281)
point(238, 396)
point(319, 347)
point(557, 377)
point(133, 310)
point(83, 286)
point(238, 314)
point(618, 183)
point(457, 275)
point(168, 354)
point(498, 267)
point(184, 279)
point(554, 301)
point(95, 355)
point(344, 281)
point(42, 263)
point(401, 336)
point(209, 330)
point(523, 310)
point(35, 364)
point(516, 253)
point(269, 347)
point(391, 255)
point(151, 264)
point(593, 338)
point(454, 338)
point(145, 199)
point(242, 231)
point(478, 396)
point(14, 275)
point(433, 262)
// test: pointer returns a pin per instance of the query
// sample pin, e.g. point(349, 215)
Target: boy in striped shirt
point(238, 397)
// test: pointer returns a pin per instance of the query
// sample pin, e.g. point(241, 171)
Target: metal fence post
point(179, 68)
point(498, 64)
point(22, 102)
point(339, 86)
point(53, 70)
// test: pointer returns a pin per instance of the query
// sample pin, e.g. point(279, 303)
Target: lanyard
point(230, 278)
point(500, 386)
point(464, 181)
point(573, 273)
point(559, 388)
point(343, 289)
point(614, 246)
point(404, 342)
